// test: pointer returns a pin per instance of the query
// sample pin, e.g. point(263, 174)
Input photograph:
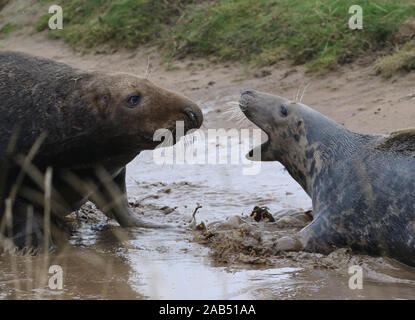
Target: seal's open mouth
point(255, 153)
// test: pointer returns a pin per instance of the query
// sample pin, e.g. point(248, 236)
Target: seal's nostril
point(194, 115)
point(247, 92)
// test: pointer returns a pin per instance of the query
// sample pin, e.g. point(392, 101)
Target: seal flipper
point(321, 237)
point(402, 141)
point(116, 204)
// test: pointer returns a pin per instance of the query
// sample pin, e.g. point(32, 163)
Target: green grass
point(8, 28)
point(313, 32)
point(402, 60)
point(127, 23)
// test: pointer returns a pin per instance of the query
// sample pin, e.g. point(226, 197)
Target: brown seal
point(85, 126)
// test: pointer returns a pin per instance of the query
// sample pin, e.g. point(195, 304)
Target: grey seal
point(85, 126)
point(362, 186)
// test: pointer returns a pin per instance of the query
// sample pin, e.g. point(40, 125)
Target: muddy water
point(102, 261)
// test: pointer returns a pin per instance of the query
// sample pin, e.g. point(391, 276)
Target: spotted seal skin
point(362, 186)
point(94, 123)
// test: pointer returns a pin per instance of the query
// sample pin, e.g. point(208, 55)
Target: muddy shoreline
point(236, 257)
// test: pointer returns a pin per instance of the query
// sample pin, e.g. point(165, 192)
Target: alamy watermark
point(356, 278)
point(356, 20)
point(216, 146)
point(56, 20)
point(56, 278)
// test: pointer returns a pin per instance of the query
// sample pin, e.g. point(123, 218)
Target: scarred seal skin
point(362, 186)
point(92, 125)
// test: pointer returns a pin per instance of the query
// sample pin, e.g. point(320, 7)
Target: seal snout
point(248, 92)
point(194, 115)
point(246, 98)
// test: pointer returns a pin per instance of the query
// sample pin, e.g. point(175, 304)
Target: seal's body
point(85, 126)
point(362, 186)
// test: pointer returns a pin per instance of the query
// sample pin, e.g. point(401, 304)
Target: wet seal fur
point(92, 124)
point(362, 186)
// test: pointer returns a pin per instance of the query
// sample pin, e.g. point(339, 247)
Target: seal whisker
point(298, 93)
point(147, 74)
point(233, 110)
point(205, 124)
point(187, 141)
point(170, 141)
point(304, 91)
point(234, 113)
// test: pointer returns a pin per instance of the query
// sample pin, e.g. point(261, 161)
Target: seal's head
point(135, 108)
point(298, 136)
point(281, 119)
point(109, 118)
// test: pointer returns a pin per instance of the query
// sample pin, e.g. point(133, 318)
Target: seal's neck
point(318, 143)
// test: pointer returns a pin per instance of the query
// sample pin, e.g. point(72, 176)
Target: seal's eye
point(284, 111)
point(134, 100)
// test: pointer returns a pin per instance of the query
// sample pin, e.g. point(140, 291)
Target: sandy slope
point(353, 96)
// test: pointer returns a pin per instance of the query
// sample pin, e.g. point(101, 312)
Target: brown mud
point(231, 256)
